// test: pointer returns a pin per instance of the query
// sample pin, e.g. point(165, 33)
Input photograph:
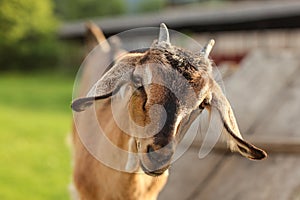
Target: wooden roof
point(227, 17)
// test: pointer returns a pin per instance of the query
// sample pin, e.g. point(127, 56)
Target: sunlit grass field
point(35, 119)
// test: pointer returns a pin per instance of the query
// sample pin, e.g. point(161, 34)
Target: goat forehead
point(182, 59)
point(169, 84)
point(169, 63)
point(173, 104)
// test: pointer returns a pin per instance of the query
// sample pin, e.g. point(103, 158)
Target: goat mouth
point(154, 173)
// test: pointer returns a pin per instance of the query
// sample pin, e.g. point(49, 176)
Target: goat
point(173, 79)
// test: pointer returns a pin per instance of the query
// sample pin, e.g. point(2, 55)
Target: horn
point(236, 141)
point(107, 86)
point(163, 34)
point(207, 48)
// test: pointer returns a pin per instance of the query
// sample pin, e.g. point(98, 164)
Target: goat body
point(170, 87)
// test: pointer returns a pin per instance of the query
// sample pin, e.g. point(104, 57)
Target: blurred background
point(42, 44)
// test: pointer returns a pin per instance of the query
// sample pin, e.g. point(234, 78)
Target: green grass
point(35, 119)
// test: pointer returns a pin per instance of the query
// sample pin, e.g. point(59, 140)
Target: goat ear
point(163, 34)
point(107, 86)
point(95, 36)
point(81, 104)
point(236, 141)
point(207, 48)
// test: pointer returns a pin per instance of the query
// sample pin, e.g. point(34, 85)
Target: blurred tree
point(138, 6)
point(27, 34)
point(21, 19)
point(151, 5)
point(79, 9)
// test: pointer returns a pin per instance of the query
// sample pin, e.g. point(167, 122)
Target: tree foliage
point(27, 34)
point(151, 5)
point(83, 9)
point(28, 28)
point(24, 19)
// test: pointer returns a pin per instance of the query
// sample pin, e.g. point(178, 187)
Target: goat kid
point(164, 89)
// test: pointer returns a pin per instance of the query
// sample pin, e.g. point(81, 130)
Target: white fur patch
point(73, 192)
point(148, 74)
point(132, 160)
point(123, 91)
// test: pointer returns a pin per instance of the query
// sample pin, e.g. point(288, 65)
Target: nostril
point(150, 149)
point(158, 156)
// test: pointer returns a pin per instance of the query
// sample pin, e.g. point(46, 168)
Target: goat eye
point(203, 104)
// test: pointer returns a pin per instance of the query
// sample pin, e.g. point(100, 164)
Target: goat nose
point(160, 156)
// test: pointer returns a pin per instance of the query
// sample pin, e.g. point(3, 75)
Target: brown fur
point(95, 181)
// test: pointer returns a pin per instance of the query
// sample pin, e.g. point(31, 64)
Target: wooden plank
point(252, 89)
point(187, 173)
point(283, 120)
point(278, 178)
